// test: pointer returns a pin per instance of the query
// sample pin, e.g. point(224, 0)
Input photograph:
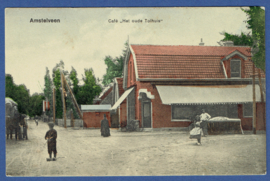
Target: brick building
point(165, 86)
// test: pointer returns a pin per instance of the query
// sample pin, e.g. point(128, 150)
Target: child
point(51, 136)
point(196, 131)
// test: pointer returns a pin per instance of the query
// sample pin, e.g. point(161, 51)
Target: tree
point(238, 40)
point(48, 90)
point(74, 82)
point(58, 99)
point(256, 23)
point(114, 67)
point(90, 89)
point(22, 98)
point(19, 94)
point(36, 104)
point(57, 85)
point(10, 87)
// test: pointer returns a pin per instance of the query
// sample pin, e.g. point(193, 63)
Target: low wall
point(77, 122)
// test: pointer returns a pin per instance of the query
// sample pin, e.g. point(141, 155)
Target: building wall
point(247, 122)
point(161, 114)
point(261, 116)
point(123, 112)
point(93, 119)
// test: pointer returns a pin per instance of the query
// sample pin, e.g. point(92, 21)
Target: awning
point(98, 108)
point(207, 94)
point(122, 98)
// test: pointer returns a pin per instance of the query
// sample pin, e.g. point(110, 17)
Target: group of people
point(200, 126)
point(200, 129)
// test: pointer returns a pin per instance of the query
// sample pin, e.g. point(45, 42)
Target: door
point(147, 115)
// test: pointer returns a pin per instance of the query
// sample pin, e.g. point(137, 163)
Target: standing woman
point(105, 129)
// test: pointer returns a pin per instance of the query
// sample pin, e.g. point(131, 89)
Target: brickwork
point(92, 119)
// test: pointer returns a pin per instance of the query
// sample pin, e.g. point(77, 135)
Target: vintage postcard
point(173, 91)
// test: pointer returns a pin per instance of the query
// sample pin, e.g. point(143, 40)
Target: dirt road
point(85, 153)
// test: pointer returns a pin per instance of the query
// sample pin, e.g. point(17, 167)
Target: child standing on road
point(196, 132)
point(51, 136)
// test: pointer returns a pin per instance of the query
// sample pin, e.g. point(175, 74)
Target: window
point(235, 68)
point(248, 110)
point(181, 112)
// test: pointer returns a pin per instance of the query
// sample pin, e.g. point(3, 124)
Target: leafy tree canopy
point(90, 89)
point(114, 67)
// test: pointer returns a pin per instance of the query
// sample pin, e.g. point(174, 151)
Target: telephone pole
point(64, 102)
point(254, 100)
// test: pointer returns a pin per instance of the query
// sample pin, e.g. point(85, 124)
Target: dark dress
point(105, 130)
point(51, 135)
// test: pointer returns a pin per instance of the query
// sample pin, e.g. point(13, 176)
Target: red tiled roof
point(106, 93)
point(179, 67)
point(183, 62)
point(249, 71)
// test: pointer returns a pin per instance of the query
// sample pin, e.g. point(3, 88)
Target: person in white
point(204, 117)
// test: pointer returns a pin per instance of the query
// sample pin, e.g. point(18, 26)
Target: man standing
point(105, 130)
point(204, 117)
point(51, 136)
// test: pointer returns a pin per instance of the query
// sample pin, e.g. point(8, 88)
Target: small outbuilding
point(93, 114)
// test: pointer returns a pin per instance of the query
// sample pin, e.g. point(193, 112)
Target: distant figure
point(25, 130)
point(51, 136)
point(36, 120)
point(19, 132)
point(204, 117)
point(105, 130)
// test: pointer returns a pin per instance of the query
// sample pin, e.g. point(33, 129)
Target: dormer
point(234, 65)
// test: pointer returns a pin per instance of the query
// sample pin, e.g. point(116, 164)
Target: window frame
point(240, 68)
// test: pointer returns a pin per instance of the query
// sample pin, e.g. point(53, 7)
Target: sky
point(85, 36)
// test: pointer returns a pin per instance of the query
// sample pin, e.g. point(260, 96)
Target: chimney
point(201, 43)
point(228, 43)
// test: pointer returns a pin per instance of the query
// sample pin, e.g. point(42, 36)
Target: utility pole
point(74, 100)
point(64, 102)
point(260, 83)
point(254, 100)
point(71, 118)
point(54, 105)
